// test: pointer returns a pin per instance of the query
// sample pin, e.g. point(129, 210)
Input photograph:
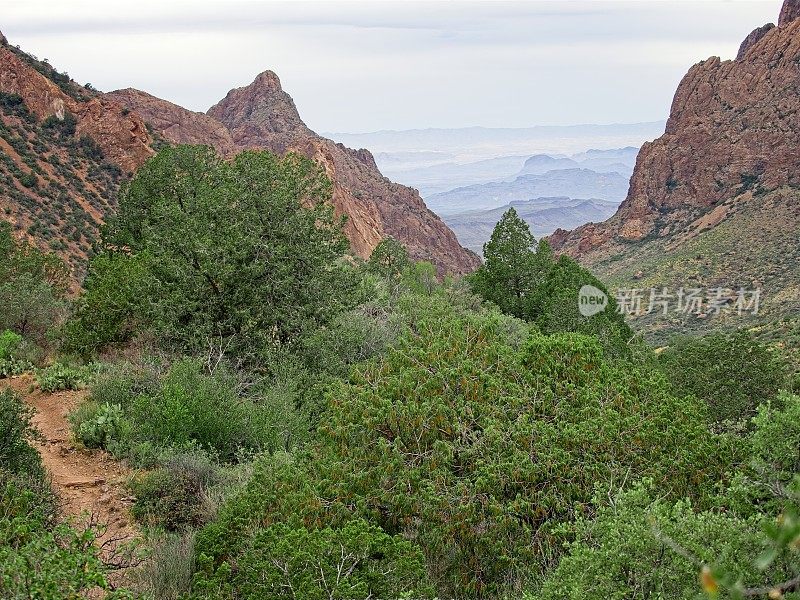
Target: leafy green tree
point(389, 260)
point(732, 372)
point(525, 280)
point(509, 273)
point(240, 256)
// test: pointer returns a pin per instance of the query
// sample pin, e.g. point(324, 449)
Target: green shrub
point(17, 456)
point(357, 560)
point(167, 572)
point(9, 344)
point(13, 367)
point(59, 377)
point(640, 547)
point(173, 496)
point(101, 426)
point(191, 407)
point(732, 373)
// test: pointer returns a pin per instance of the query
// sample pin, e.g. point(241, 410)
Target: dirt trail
point(90, 483)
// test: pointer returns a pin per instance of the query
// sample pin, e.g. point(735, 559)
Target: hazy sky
point(364, 66)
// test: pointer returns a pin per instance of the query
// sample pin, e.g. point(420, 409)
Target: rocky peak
point(789, 12)
point(3, 40)
point(261, 108)
point(732, 130)
point(751, 40)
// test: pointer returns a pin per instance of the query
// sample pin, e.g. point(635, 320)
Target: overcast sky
point(365, 66)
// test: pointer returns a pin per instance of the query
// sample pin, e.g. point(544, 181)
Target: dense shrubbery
point(60, 377)
point(732, 373)
point(641, 546)
point(453, 439)
point(185, 407)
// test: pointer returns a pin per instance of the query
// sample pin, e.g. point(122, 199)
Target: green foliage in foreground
point(453, 440)
point(357, 560)
point(183, 408)
point(731, 372)
point(59, 377)
point(240, 257)
point(641, 546)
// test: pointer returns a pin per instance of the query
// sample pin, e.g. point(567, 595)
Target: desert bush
point(454, 437)
point(167, 572)
point(10, 343)
point(16, 432)
point(174, 496)
point(357, 560)
point(101, 426)
point(60, 377)
point(643, 547)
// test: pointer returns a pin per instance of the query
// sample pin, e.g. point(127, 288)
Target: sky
point(398, 64)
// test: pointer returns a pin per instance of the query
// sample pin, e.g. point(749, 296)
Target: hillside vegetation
point(305, 425)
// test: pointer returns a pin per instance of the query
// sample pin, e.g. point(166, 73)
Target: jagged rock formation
point(263, 115)
point(715, 201)
point(174, 123)
point(733, 128)
point(789, 12)
point(752, 39)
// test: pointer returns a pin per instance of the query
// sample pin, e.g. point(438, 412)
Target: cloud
point(378, 65)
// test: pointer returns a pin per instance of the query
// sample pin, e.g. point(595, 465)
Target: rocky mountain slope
point(721, 186)
point(65, 149)
point(262, 115)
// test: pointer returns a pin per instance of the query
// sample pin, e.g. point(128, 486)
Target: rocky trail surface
point(89, 483)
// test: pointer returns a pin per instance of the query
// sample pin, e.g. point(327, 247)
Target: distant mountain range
point(488, 142)
point(572, 183)
point(543, 215)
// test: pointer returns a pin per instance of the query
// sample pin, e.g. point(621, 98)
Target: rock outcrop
point(122, 135)
point(733, 128)
point(789, 12)
point(84, 143)
point(65, 150)
point(263, 116)
point(175, 123)
point(752, 39)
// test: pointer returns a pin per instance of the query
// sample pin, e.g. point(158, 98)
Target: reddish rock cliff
point(174, 123)
point(733, 128)
point(121, 135)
